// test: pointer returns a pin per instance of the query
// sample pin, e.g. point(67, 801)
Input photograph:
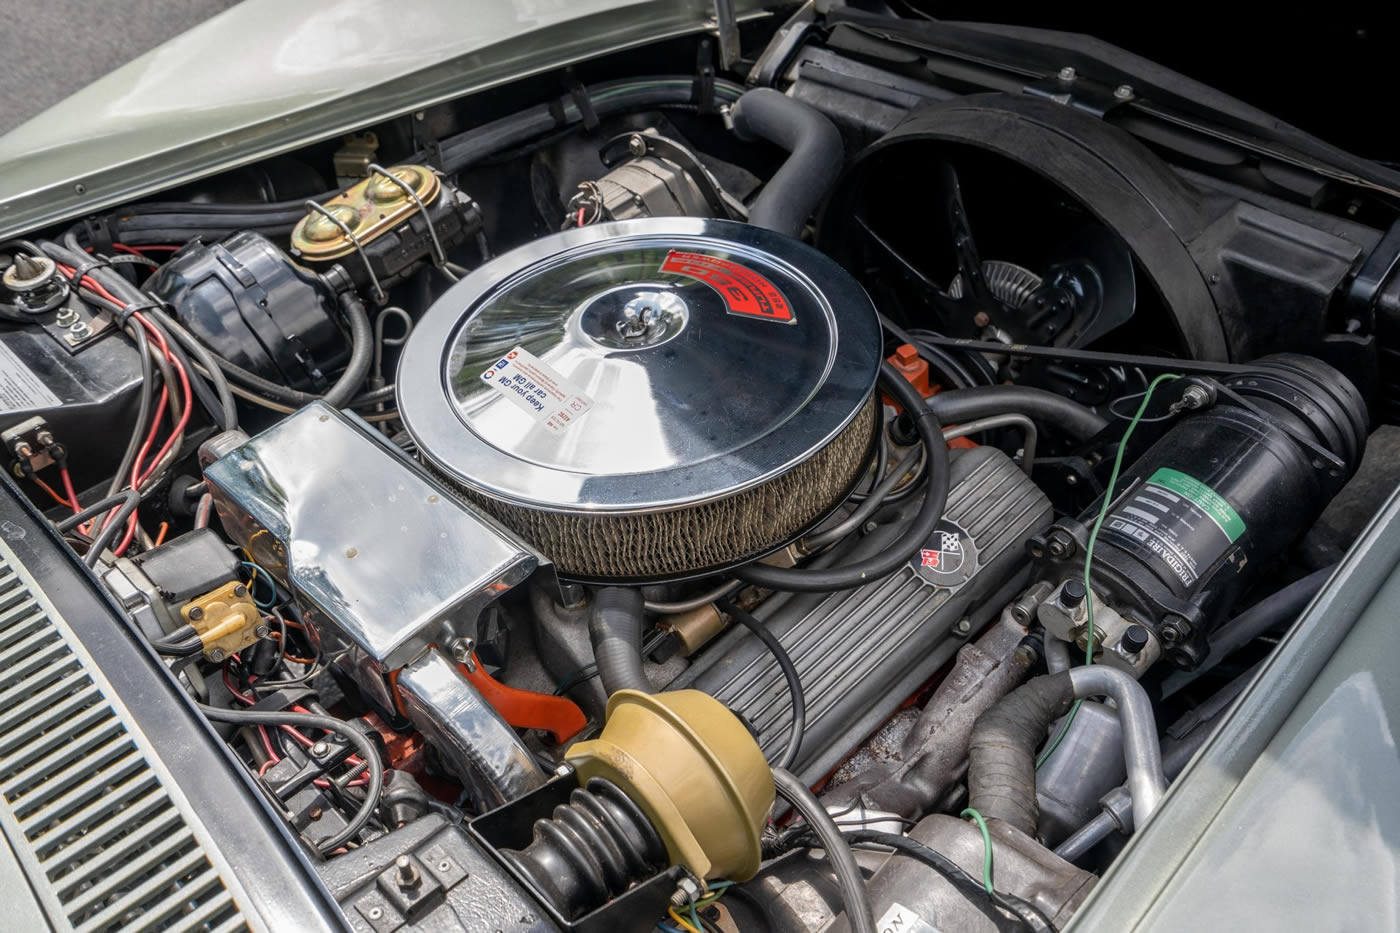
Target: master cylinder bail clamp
point(1249, 465)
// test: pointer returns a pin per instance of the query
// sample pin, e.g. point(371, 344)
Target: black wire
point(1028, 916)
point(118, 521)
point(363, 746)
point(76, 519)
point(798, 726)
point(994, 906)
point(916, 532)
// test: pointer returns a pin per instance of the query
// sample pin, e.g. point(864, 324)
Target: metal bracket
point(727, 31)
point(440, 258)
point(379, 294)
point(1069, 88)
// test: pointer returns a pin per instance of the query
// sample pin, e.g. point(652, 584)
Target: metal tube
point(1142, 752)
point(1086, 837)
point(1008, 420)
point(1056, 654)
point(726, 588)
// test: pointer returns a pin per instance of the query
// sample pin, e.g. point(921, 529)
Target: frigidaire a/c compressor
point(1204, 508)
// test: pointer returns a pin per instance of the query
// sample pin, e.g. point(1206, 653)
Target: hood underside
point(194, 106)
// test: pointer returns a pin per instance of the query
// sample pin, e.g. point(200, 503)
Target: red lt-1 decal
point(744, 291)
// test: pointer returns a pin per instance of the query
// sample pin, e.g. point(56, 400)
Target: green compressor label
point(1176, 521)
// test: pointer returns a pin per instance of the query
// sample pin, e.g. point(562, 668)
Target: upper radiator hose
point(817, 154)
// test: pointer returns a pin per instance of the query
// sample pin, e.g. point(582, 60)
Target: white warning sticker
point(900, 919)
point(20, 388)
point(536, 388)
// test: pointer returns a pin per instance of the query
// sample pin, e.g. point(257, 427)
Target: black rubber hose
point(1273, 611)
point(838, 851)
point(920, 528)
point(615, 629)
point(465, 149)
point(804, 180)
point(363, 747)
point(1001, 751)
point(1039, 404)
point(345, 388)
point(798, 726)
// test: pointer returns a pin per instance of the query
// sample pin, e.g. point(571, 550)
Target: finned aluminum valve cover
point(650, 399)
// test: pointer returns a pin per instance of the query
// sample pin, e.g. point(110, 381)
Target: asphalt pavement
point(51, 48)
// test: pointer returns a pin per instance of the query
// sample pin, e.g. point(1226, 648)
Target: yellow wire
point(684, 923)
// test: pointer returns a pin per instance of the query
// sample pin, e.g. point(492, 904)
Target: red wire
point(139, 475)
point(185, 390)
point(580, 217)
point(68, 488)
point(138, 250)
point(296, 734)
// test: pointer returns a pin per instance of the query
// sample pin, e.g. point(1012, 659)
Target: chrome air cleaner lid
point(646, 367)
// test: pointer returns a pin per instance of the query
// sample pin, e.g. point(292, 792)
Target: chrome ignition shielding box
point(382, 557)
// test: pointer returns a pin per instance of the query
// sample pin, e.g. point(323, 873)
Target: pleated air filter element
point(648, 400)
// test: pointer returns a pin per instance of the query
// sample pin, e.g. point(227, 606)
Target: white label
point(900, 919)
point(20, 388)
point(536, 388)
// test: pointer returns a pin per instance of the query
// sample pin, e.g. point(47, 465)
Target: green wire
point(1089, 553)
point(986, 848)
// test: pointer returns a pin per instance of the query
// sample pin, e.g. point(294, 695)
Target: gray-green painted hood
point(269, 75)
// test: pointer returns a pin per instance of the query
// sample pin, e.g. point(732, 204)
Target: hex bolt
point(320, 749)
point(687, 891)
point(1068, 74)
point(240, 591)
point(963, 626)
point(1195, 396)
point(80, 329)
point(196, 613)
point(262, 631)
point(636, 146)
point(1123, 92)
point(217, 655)
point(1175, 629)
point(1060, 544)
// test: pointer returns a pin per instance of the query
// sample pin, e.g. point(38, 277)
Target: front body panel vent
point(107, 841)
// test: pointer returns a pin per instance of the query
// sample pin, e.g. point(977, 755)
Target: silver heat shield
point(649, 400)
point(384, 560)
